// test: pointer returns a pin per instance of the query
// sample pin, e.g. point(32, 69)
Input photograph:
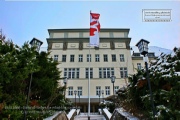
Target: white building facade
point(71, 48)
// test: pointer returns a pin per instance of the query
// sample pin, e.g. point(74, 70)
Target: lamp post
point(112, 81)
point(79, 97)
point(75, 92)
point(65, 83)
point(102, 94)
point(37, 44)
point(99, 94)
point(143, 49)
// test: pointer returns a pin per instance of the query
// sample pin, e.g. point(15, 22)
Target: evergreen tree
point(165, 84)
point(16, 66)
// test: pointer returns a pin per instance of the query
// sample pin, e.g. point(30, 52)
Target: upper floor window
point(98, 90)
point(80, 58)
point(70, 91)
point(88, 58)
point(71, 58)
point(87, 72)
point(121, 57)
point(97, 57)
point(139, 66)
point(123, 72)
point(71, 73)
point(55, 57)
point(116, 88)
point(79, 91)
point(63, 58)
point(107, 89)
point(105, 58)
point(106, 72)
point(113, 58)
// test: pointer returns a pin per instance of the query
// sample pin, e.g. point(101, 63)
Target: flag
point(94, 29)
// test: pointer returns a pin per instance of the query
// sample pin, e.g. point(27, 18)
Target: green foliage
point(16, 66)
point(107, 104)
point(165, 84)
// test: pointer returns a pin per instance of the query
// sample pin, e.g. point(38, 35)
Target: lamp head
point(113, 78)
point(36, 43)
point(143, 46)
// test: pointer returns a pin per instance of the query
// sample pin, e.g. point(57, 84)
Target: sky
point(21, 20)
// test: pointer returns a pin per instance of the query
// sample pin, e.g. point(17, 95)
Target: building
point(71, 48)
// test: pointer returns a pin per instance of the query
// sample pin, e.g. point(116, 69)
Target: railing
point(64, 116)
point(118, 114)
point(106, 114)
point(121, 114)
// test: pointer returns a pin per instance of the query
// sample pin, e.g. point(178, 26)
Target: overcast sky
point(22, 20)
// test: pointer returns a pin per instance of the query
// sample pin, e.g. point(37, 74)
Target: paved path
point(92, 117)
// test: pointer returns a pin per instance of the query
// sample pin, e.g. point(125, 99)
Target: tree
point(16, 66)
point(165, 83)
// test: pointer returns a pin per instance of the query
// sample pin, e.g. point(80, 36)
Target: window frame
point(107, 90)
point(97, 58)
point(122, 59)
point(113, 57)
point(98, 90)
point(63, 58)
point(70, 91)
point(105, 56)
point(72, 58)
point(56, 57)
point(80, 58)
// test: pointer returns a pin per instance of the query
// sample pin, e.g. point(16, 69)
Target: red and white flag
point(94, 29)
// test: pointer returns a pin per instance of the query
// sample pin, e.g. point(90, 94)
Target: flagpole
point(89, 85)
point(89, 88)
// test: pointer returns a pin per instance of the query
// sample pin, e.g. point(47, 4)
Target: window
point(71, 58)
point(87, 72)
point(106, 72)
point(70, 91)
point(80, 58)
point(113, 58)
point(116, 88)
point(97, 57)
point(65, 72)
point(123, 72)
point(98, 90)
point(63, 58)
point(105, 58)
point(77, 72)
point(139, 66)
point(107, 88)
point(55, 57)
point(121, 57)
point(88, 58)
point(71, 73)
point(79, 91)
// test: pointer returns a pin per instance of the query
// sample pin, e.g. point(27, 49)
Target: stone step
point(92, 117)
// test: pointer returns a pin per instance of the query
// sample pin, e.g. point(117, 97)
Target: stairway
point(83, 116)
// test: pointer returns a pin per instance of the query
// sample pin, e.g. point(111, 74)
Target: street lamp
point(37, 44)
point(143, 49)
point(75, 92)
point(65, 80)
point(102, 94)
point(79, 97)
point(112, 81)
point(99, 94)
